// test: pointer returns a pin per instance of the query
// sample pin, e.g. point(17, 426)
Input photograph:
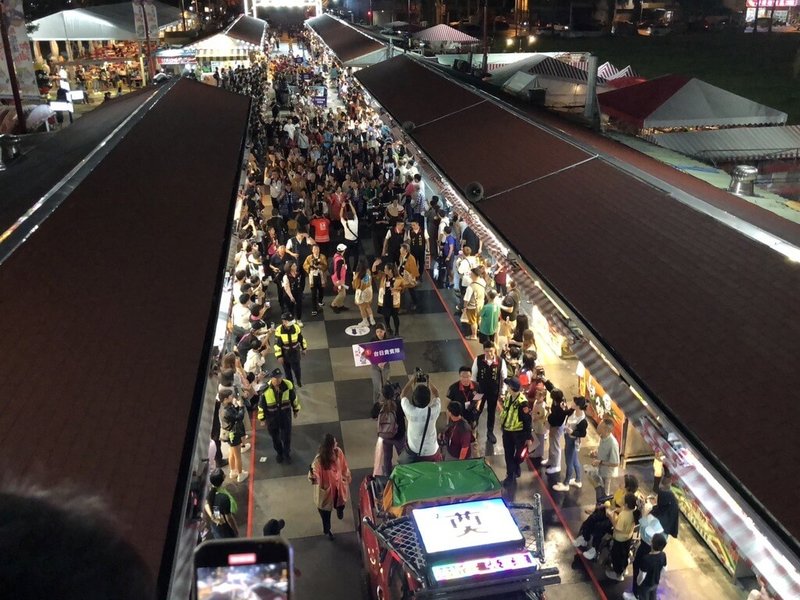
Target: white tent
point(520, 82)
point(95, 23)
point(503, 74)
point(444, 33)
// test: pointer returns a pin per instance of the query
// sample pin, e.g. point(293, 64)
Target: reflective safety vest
point(274, 400)
point(512, 415)
point(289, 341)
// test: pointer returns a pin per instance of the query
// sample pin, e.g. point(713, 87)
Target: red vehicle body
point(394, 562)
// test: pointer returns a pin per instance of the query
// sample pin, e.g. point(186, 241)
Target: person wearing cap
point(489, 371)
point(275, 408)
point(339, 278)
point(574, 432)
point(515, 424)
point(274, 527)
point(290, 345)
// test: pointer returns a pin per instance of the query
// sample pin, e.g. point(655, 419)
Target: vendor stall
point(237, 45)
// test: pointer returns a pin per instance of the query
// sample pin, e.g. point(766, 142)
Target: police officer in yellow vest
point(289, 346)
point(276, 407)
point(515, 423)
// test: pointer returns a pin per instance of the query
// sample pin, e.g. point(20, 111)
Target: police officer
point(276, 406)
point(515, 423)
point(289, 346)
point(489, 370)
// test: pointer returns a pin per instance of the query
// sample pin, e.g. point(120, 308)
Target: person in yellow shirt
point(624, 521)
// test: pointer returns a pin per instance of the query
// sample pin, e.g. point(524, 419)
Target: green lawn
point(759, 67)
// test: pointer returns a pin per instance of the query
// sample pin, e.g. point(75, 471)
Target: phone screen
point(243, 570)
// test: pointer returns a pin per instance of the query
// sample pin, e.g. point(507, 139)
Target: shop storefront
point(176, 61)
point(599, 405)
point(782, 12)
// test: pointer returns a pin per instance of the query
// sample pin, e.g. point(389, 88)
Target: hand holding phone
point(263, 565)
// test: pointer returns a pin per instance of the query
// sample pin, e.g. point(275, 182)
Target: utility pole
point(12, 73)
point(485, 64)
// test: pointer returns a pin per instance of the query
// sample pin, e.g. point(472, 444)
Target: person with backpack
point(457, 438)
point(339, 278)
point(391, 428)
point(219, 507)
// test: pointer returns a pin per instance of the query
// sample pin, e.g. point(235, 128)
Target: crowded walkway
point(341, 240)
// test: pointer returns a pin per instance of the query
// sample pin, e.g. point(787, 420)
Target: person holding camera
point(421, 413)
point(316, 265)
point(515, 424)
point(489, 371)
point(275, 409)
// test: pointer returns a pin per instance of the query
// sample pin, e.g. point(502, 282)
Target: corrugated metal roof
point(248, 29)
point(346, 42)
point(128, 350)
point(738, 143)
point(683, 301)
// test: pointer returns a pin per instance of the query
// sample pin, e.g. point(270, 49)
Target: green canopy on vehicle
point(429, 483)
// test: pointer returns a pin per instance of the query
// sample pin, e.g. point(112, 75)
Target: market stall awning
point(221, 45)
point(444, 33)
point(98, 23)
point(248, 29)
point(736, 144)
point(684, 302)
point(115, 408)
point(676, 101)
point(346, 42)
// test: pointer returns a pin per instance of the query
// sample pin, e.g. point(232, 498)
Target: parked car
point(654, 29)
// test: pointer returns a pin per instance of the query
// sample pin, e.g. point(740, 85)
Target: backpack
point(387, 425)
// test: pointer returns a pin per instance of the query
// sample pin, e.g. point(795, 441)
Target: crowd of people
point(335, 207)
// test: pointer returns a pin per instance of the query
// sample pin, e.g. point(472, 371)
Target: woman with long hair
point(331, 479)
point(390, 286)
point(362, 284)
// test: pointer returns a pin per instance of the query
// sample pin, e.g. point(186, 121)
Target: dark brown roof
point(108, 309)
point(51, 159)
point(248, 29)
point(702, 315)
point(346, 42)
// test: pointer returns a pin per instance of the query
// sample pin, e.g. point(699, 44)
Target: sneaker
point(233, 474)
point(561, 487)
point(579, 542)
point(371, 320)
point(612, 575)
point(313, 313)
point(242, 476)
point(490, 438)
point(245, 448)
point(590, 554)
point(628, 596)
point(576, 484)
point(321, 304)
point(552, 470)
point(362, 323)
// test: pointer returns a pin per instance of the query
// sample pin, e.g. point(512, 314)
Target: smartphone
point(243, 568)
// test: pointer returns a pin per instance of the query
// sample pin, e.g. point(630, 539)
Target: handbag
point(409, 456)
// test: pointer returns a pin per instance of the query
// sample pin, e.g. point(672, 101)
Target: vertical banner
point(140, 9)
point(21, 53)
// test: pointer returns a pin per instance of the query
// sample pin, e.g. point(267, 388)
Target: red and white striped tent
point(444, 33)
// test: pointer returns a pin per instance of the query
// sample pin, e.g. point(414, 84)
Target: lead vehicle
point(443, 530)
